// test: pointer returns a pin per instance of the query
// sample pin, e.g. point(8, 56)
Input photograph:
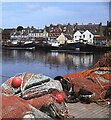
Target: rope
point(102, 99)
point(22, 88)
point(96, 78)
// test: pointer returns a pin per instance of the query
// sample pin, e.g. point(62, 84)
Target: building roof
point(38, 31)
point(8, 31)
point(93, 28)
point(68, 37)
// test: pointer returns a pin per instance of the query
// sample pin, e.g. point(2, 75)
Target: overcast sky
point(39, 14)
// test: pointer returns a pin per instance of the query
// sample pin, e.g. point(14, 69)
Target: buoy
point(59, 98)
point(16, 81)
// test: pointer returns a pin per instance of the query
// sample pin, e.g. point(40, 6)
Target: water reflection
point(48, 63)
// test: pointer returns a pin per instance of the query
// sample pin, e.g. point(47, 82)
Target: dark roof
point(93, 28)
point(68, 37)
point(7, 31)
point(38, 31)
point(56, 28)
point(17, 33)
point(25, 33)
point(40, 39)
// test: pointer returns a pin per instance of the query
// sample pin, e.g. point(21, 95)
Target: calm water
point(47, 63)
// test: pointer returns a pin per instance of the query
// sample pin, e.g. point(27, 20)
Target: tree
point(20, 28)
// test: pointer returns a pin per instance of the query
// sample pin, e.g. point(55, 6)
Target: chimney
point(100, 29)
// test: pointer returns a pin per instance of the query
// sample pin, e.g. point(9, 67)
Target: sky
point(39, 14)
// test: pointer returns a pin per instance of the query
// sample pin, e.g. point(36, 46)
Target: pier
point(92, 110)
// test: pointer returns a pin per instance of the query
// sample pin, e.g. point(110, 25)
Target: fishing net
point(33, 85)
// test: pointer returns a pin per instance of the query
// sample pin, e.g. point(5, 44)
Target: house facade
point(77, 36)
point(54, 31)
point(38, 33)
point(19, 35)
point(90, 33)
point(85, 37)
point(6, 33)
point(29, 33)
point(61, 39)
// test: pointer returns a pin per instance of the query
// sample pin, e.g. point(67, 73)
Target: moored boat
point(27, 45)
point(85, 47)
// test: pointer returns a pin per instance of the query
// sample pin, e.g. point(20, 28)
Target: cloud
point(35, 6)
point(56, 0)
point(39, 14)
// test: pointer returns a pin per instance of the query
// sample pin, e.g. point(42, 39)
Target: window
point(109, 33)
point(84, 40)
point(83, 36)
point(89, 36)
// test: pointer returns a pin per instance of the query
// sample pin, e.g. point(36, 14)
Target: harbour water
point(50, 63)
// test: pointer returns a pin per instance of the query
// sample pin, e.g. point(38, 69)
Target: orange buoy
point(59, 97)
point(16, 81)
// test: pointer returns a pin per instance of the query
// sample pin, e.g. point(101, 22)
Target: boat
point(82, 47)
point(19, 45)
point(53, 44)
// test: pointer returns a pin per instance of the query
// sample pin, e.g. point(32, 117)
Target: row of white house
point(85, 37)
point(29, 34)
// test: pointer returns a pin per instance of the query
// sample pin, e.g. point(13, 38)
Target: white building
point(85, 37)
point(19, 35)
point(77, 36)
point(39, 33)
